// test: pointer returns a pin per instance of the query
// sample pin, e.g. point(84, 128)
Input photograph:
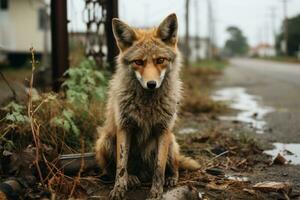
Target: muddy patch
point(291, 152)
point(248, 108)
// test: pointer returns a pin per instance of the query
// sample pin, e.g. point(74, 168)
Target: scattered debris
point(274, 187)
point(71, 163)
point(200, 195)
point(217, 186)
point(291, 152)
point(199, 139)
point(239, 179)
point(188, 130)
point(10, 189)
point(182, 193)
point(215, 171)
point(279, 159)
point(250, 191)
point(218, 150)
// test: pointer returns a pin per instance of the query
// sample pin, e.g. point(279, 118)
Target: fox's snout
point(150, 78)
point(151, 85)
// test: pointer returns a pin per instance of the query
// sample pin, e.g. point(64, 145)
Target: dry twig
point(33, 123)
point(77, 179)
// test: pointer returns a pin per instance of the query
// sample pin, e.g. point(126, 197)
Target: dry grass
point(197, 85)
point(45, 110)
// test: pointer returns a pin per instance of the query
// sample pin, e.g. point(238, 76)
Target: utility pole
point(267, 32)
point(46, 29)
point(197, 27)
point(273, 19)
point(285, 27)
point(266, 38)
point(60, 43)
point(187, 34)
point(112, 50)
point(210, 24)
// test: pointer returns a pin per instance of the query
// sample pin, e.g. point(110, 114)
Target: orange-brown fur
point(136, 140)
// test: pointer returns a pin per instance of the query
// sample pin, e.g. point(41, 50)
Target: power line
point(211, 30)
point(285, 27)
point(273, 19)
point(187, 35)
point(197, 28)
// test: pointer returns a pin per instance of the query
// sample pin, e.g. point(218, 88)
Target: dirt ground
point(229, 176)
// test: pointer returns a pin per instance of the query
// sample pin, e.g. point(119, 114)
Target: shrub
point(62, 119)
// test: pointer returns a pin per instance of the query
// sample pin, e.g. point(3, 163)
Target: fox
point(136, 142)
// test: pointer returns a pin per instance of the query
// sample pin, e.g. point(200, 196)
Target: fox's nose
point(151, 84)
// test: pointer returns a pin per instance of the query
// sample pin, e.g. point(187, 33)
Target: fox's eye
point(160, 60)
point(139, 62)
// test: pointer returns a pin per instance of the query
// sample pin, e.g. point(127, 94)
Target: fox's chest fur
point(146, 113)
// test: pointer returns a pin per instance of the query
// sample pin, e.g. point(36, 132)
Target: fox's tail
point(188, 163)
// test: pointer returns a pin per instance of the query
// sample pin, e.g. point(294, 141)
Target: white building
point(263, 50)
point(198, 48)
point(22, 25)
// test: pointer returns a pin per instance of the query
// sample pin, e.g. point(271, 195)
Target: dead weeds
point(197, 84)
point(35, 132)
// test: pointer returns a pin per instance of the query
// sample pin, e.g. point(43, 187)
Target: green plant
point(66, 122)
point(59, 120)
point(85, 84)
point(13, 119)
point(14, 113)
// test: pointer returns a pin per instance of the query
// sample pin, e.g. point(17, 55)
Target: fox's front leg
point(121, 181)
point(163, 144)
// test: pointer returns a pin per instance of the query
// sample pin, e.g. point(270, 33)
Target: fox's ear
point(167, 30)
point(124, 34)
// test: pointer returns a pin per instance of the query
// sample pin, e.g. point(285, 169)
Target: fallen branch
point(217, 156)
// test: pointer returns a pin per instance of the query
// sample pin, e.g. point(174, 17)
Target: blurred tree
point(293, 44)
point(237, 43)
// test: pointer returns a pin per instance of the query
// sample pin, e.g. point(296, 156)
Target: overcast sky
point(252, 16)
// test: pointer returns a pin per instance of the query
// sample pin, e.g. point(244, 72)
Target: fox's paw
point(171, 181)
point(118, 193)
point(155, 193)
point(120, 188)
point(133, 181)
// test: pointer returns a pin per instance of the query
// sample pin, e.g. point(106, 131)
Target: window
point(3, 4)
point(42, 18)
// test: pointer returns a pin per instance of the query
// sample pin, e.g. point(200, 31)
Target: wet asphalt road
point(278, 85)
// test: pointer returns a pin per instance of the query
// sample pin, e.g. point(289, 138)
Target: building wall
point(198, 53)
point(267, 52)
point(19, 27)
point(195, 53)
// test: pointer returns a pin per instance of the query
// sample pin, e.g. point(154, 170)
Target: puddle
point(291, 152)
point(188, 130)
point(249, 110)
